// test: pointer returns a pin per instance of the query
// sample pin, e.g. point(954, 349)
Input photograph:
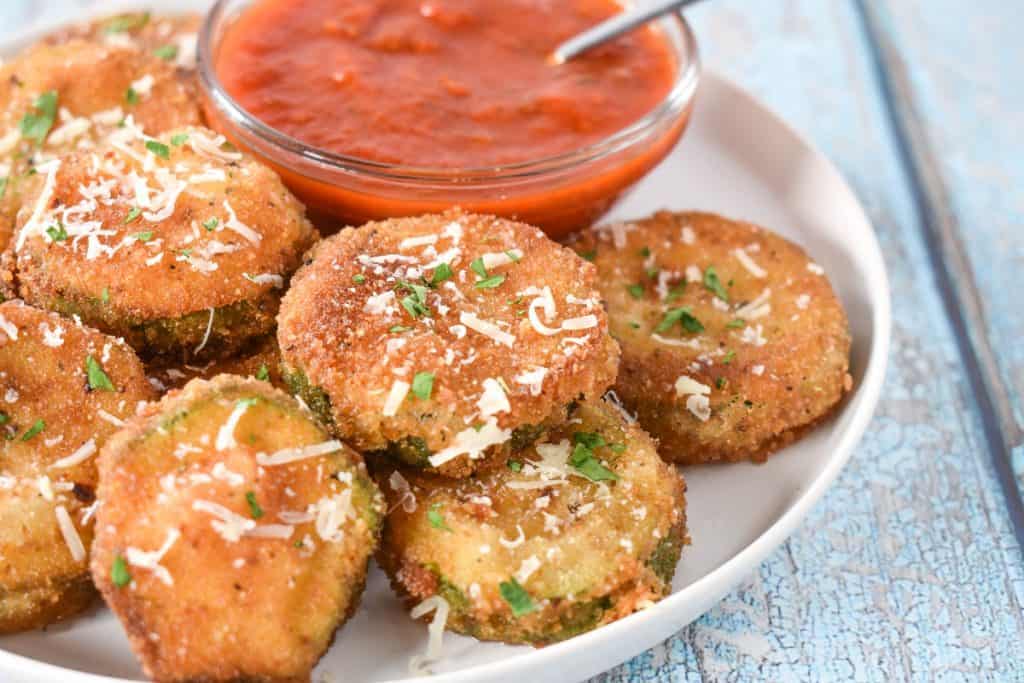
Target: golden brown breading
point(232, 535)
point(732, 338)
point(56, 413)
point(579, 530)
point(179, 244)
point(55, 99)
point(169, 37)
point(260, 359)
point(445, 338)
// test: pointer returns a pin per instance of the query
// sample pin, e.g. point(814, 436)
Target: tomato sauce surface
point(440, 83)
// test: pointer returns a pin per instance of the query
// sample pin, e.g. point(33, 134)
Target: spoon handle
point(616, 26)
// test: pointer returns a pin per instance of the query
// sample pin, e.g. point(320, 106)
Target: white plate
point(738, 159)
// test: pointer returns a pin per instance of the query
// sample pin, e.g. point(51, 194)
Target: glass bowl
point(559, 193)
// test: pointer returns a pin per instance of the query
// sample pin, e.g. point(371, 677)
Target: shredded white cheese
point(70, 534)
point(290, 455)
point(80, 455)
point(487, 329)
point(472, 442)
point(399, 390)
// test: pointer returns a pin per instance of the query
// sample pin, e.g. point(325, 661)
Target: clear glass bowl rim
point(676, 102)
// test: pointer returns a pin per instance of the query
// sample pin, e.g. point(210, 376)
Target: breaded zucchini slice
point(65, 388)
point(179, 243)
point(55, 99)
point(171, 38)
point(233, 534)
point(446, 340)
point(260, 359)
point(733, 342)
point(570, 534)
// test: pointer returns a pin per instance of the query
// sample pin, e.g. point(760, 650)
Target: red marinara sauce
point(440, 83)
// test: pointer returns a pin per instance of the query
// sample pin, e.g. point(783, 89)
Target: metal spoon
point(616, 26)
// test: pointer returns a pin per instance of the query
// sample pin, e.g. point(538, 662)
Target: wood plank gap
point(942, 235)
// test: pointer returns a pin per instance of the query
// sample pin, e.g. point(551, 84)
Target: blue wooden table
point(912, 567)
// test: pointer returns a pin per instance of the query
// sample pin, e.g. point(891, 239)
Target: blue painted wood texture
point(910, 568)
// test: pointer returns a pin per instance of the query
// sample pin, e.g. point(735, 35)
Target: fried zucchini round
point(570, 534)
point(65, 388)
point(445, 340)
point(179, 244)
point(233, 535)
point(55, 99)
point(733, 341)
point(260, 359)
point(172, 38)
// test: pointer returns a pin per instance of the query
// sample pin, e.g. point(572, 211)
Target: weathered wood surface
point(910, 568)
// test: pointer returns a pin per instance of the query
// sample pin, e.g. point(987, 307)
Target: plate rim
point(711, 587)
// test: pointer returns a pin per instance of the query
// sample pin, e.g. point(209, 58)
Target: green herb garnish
point(133, 213)
point(423, 385)
point(126, 22)
point(490, 282)
point(441, 273)
point(254, 507)
point(713, 284)
point(263, 374)
point(159, 149)
point(179, 139)
point(131, 97)
point(682, 316)
point(119, 572)
point(636, 291)
point(589, 466)
point(477, 266)
point(359, 278)
point(36, 124)
point(435, 517)
point(57, 232)
point(736, 324)
point(516, 597)
point(34, 430)
point(144, 236)
point(211, 224)
point(97, 378)
point(168, 53)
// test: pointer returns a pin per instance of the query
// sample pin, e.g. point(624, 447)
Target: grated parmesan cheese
point(70, 534)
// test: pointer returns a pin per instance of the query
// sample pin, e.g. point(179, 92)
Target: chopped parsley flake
point(682, 316)
point(263, 374)
point(37, 426)
point(435, 517)
point(131, 97)
point(126, 22)
point(645, 252)
point(133, 213)
point(728, 357)
point(4, 418)
point(415, 304)
point(713, 284)
point(490, 282)
point(736, 324)
point(617, 447)
point(119, 572)
point(3, 186)
point(516, 597)
point(634, 324)
point(588, 255)
point(159, 149)
point(254, 507)
point(398, 329)
point(36, 124)
point(515, 465)
point(676, 291)
point(423, 385)
point(359, 278)
point(167, 53)
point(636, 291)
point(477, 266)
point(720, 383)
point(211, 224)
point(179, 139)
point(97, 378)
point(57, 232)
point(589, 466)
point(105, 295)
point(589, 439)
point(441, 273)
point(144, 236)
point(512, 255)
